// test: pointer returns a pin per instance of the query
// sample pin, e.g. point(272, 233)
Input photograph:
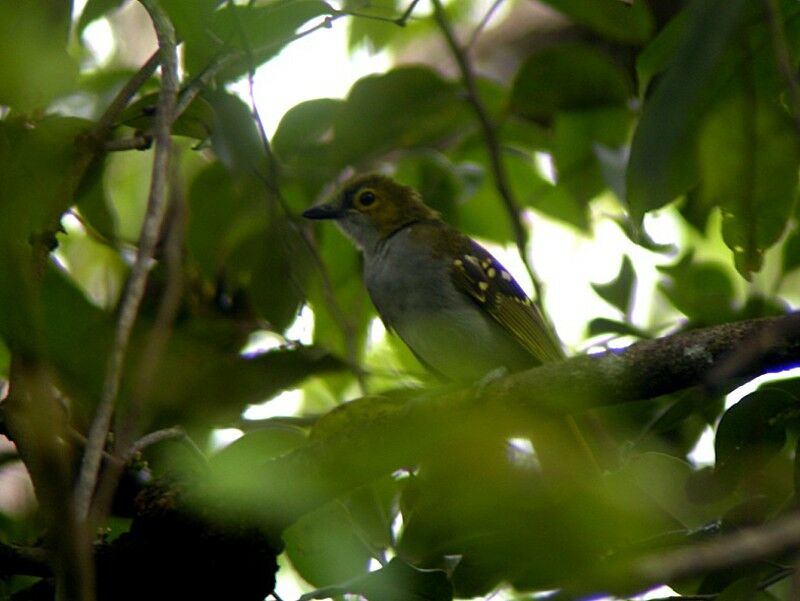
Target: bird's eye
point(366, 198)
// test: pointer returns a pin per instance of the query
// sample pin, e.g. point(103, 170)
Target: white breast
point(414, 294)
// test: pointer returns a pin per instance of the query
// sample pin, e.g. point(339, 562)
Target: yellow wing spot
point(458, 263)
point(486, 263)
point(505, 275)
point(472, 259)
point(483, 286)
point(491, 272)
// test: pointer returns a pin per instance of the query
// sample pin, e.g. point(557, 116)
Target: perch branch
point(407, 431)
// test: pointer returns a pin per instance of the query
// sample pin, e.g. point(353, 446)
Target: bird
point(460, 312)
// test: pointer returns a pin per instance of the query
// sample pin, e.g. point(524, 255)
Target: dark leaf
point(41, 166)
point(35, 67)
point(304, 129)
point(95, 9)
point(749, 157)
point(660, 52)
point(396, 581)
point(568, 78)
point(372, 511)
point(250, 34)
point(703, 291)
point(324, 548)
point(791, 252)
point(376, 34)
point(404, 108)
point(751, 432)
point(614, 20)
point(192, 22)
point(619, 292)
point(239, 238)
point(235, 138)
point(576, 137)
point(661, 164)
point(601, 325)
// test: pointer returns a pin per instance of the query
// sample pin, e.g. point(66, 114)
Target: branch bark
point(148, 239)
point(407, 430)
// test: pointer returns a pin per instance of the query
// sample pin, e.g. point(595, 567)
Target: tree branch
point(148, 239)
point(492, 141)
point(770, 541)
point(407, 430)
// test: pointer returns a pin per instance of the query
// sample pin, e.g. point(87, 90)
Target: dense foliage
point(151, 232)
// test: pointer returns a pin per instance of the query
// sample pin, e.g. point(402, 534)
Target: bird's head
point(369, 208)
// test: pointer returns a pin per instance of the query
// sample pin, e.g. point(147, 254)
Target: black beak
point(323, 211)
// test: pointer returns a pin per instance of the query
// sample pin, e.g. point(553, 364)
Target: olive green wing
point(480, 276)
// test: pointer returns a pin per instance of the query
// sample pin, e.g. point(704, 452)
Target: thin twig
point(783, 58)
point(492, 141)
point(174, 433)
point(407, 13)
point(272, 181)
point(473, 38)
point(745, 547)
point(148, 239)
point(138, 142)
point(199, 83)
point(128, 423)
point(124, 96)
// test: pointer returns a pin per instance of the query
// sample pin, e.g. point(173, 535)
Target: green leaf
point(375, 34)
point(751, 432)
point(41, 165)
point(77, 338)
point(703, 291)
point(238, 238)
point(576, 137)
point(192, 21)
point(404, 108)
point(324, 548)
point(95, 9)
point(372, 510)
point(255, 448)
point(396, 581)
point(660, 52)
point(35, 67)
point(235, 138)
point(302, 130)
point(749, 159)
point(570, 77)
point(661, 163)
point(614, 20)
point(619, 292)
point(342, 327)
point(602, 325)
point(251, 34)
point(200, 379)
point(791, 252)
point(663, 478)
